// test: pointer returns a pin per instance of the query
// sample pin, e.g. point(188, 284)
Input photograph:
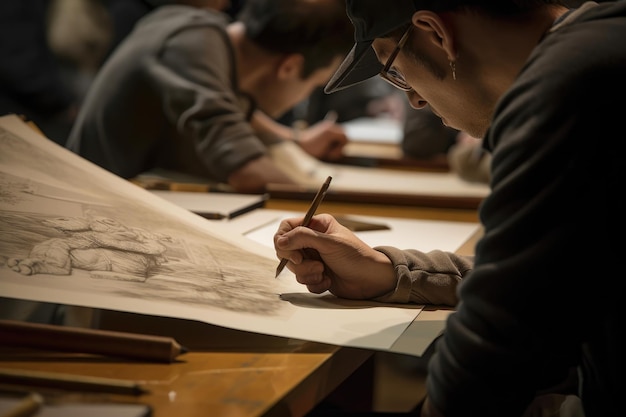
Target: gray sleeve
point(425, 278)
point(200, 99)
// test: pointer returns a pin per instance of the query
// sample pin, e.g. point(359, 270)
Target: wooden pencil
point(70, 382)
point(94, 341)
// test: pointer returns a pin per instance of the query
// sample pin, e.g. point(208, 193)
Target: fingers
point(320, 222)
point(300, 245)
point(283, 244)
point(289, 245)
point(293, 242)
point(337, 137)
point(310, 272)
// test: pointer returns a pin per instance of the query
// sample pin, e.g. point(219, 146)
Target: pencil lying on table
point(95, 341)
point(70, 382)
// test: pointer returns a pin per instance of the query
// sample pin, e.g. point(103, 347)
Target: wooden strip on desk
point(404, 163)
point(290, 192)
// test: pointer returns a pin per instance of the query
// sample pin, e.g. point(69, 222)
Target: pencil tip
point(183, 349)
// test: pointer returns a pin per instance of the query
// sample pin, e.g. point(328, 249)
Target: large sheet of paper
point(306, 170)
point(73, 233)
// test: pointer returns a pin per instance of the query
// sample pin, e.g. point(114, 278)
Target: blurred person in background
point(192, 92)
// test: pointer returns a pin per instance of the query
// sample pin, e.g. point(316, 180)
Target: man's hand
point(324, 140)
point(341, 264)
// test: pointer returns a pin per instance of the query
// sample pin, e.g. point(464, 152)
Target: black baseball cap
point(371, 19)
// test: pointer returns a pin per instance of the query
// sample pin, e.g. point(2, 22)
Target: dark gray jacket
point(168, 98)
point(544, 295)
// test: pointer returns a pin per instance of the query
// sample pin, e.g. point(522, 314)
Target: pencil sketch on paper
point(63, 228)
point(103, 246)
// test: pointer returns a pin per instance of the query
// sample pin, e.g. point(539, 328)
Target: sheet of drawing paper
point(374, 130)
point(73, 233)
point(311, 172)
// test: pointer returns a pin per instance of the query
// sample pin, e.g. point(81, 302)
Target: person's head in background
point(306, 41)
point(460, 77)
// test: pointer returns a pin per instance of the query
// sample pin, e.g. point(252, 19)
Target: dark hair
point(318, 29)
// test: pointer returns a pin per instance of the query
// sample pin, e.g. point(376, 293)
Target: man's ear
point(290, 66)
point(439, 33)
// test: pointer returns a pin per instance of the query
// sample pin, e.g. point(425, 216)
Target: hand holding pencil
point(342, 263)
point(307, 217)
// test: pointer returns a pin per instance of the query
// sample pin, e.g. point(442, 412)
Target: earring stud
point(453, 68)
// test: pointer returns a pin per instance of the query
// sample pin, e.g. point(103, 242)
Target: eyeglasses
point(391, 74)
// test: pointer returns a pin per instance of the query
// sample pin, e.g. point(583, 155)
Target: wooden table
point(261, 376)
point(229, 372)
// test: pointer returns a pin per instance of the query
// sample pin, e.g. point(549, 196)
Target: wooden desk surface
point(269, 382)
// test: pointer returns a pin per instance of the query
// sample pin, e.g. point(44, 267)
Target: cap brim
point(360, 64)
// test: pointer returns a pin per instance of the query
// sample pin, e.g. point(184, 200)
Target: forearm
point(425, 278)
point(256, 174)
point(269, 130)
